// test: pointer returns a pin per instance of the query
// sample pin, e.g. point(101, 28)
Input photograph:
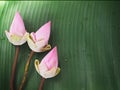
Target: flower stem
point(41, 83)
point(17, 49)
point(26, 70)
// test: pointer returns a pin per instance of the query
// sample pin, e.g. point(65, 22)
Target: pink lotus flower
point(38, 42)
point(48, 67)
point(17, 34)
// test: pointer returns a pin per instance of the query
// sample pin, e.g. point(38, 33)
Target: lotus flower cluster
point(37, 42)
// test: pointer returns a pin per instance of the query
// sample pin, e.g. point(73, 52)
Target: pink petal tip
point(44, 32)
point(51, 59)
point(17, 26)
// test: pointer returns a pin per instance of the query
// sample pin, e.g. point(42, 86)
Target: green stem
point(14, 67)
point(26, 70)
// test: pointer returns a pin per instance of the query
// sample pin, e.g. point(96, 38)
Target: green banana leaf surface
point(87, 34)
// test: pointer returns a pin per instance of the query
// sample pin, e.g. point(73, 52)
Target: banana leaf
point(87, 36)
